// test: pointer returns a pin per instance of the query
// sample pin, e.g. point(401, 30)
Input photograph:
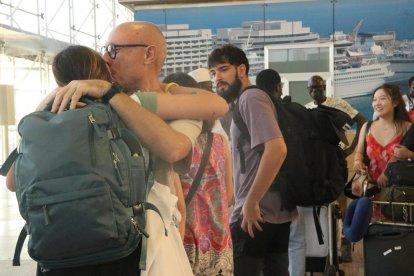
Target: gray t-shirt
point(259, 114)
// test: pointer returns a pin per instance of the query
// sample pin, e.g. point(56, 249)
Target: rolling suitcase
point(322, 257)
point(389, 248)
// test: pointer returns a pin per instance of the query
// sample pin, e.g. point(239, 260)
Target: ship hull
point(356, 88)
point(360, 81)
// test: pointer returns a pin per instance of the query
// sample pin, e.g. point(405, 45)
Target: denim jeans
point(266, 254)
point(297, 246)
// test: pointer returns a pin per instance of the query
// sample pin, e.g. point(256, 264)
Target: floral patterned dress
point(379, 156)
point(207, 239)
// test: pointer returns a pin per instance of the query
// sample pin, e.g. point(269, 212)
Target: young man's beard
point(232, 91)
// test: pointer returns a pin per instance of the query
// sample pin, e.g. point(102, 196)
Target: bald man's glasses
point(111, 49)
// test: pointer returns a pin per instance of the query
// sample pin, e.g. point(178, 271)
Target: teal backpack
point(82, 180)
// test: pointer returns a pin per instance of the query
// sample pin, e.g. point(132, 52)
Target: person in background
point(202, 77)
point(270, 81)
point(317, 91)
point(385, 133)
point(207, 239)
point(259, 228)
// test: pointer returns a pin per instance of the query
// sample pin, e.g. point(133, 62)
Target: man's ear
point(241, 69)
point(150, 54)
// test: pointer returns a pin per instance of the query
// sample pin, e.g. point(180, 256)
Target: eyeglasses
point(111, 49)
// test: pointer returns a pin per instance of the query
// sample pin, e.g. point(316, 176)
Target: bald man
point(135, 53)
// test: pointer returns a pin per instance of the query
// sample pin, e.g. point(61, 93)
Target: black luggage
point(389, 250)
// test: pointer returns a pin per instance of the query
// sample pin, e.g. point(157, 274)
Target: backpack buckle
point(138, 209)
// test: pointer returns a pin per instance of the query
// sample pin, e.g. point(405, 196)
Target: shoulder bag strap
point(203, 163)
point(366, 159)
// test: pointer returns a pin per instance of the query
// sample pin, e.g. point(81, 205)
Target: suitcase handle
point(389, 235)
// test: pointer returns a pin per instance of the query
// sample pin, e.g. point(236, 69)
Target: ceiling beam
point(137, 5)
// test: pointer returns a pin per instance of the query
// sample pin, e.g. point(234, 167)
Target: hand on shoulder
point(68, 97)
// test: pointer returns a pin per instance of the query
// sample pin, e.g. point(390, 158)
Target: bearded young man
point(260, 230)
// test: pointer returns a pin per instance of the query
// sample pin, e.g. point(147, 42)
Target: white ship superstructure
point(399, 55)
point(254, 35)
point(187, 49)
point(358, 68)
point(357, 81)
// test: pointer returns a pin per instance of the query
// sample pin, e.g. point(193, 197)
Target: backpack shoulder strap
point(200, 172)
point(9, 162)
point(19, 246)
point(366, 159)
point(244, 131)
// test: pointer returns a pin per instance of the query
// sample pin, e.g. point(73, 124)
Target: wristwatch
point(115, 89)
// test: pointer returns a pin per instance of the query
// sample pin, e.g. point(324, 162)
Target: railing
point(407, 209)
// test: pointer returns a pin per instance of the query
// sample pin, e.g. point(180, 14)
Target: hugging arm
point(10, 180)
point(190, 103)
point(150, 129)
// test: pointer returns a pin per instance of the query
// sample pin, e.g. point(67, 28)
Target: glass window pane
point(299, 60)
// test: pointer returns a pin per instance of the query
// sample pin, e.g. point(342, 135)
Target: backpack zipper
point(116, 160)
point(46, 215)
point(91, 143)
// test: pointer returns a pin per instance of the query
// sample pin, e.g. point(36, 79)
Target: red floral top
point(207, 238)
point(379, 155)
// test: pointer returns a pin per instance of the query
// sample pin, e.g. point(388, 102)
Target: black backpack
point(315, 169)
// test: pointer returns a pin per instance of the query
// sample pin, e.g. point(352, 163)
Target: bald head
point(145, 33)
point(316, 80)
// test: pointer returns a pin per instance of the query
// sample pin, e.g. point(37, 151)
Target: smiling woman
point(385, 132)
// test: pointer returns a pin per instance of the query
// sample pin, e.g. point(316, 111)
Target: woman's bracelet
point(169, 85)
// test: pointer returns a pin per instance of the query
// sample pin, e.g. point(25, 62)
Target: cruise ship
point(361, 60)
point(358, 68)
point(359, 75)
point(398, 55)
